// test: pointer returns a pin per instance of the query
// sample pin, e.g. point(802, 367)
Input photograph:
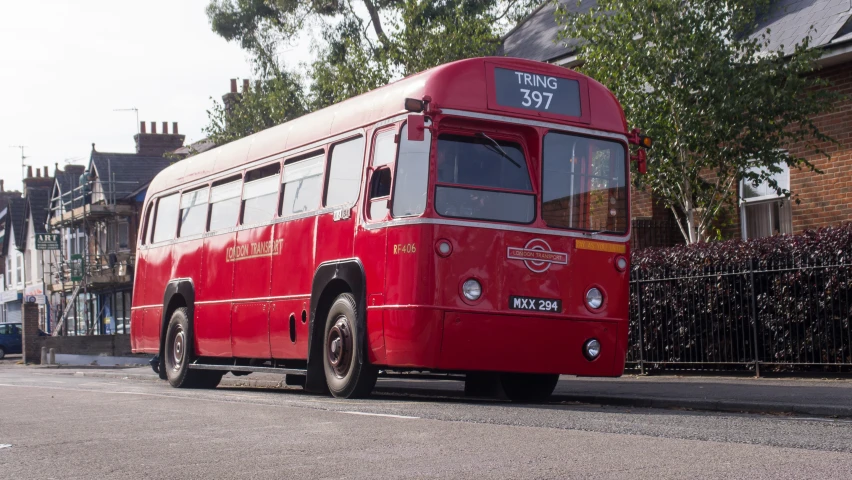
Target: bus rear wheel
point(348, 372)
point(528, 387)
point(178, 355)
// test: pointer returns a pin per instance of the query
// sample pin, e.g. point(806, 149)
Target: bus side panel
point(335, 238)
point(213, 293)
point(252, 275)
point(292, 275)
point(139, 301)
point(412, 333)
point(158, 271)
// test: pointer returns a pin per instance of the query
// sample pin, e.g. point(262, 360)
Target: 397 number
point(531, 96)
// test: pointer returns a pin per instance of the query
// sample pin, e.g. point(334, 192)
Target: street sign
point(47, 241)
point(76, 265)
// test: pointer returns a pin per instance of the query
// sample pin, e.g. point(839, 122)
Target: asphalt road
point(65, 426)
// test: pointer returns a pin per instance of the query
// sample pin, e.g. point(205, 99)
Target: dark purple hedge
point(785, 299)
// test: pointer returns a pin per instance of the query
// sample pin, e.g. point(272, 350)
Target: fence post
point(641, 329)
point(754, 317)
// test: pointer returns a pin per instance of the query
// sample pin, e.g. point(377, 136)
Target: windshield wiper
point(597, 232)
point(499, 149)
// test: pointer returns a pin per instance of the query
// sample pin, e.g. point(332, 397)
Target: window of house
point(9, 269)
point(344, 172)
point(19, 264)
point(762, 211)
point(412, 175)
point(165, 223)
point(260, 194)
point(193, 212)
point(225, 203)
point(110, 228)
point(81, 242)
point(124, 233)
point(302, 186)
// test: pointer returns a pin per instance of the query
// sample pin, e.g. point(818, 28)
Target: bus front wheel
point(178, 355)
point(528, 387)
point(348, 372)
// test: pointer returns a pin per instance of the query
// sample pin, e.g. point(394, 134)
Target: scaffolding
point(79, 273)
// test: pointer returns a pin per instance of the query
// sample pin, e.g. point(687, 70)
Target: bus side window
point(301, 186)
point(225, 203)
point(193, 212)
point(260, 193)
point(146, 228)
point(165, 223)
point(344, 172)
point(384, 151)
point(412, 175)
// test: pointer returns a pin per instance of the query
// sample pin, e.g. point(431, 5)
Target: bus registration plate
point(552, 305)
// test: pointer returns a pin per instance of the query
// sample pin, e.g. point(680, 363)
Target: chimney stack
point(142, 128)
point(233, 85)
point(150, 144)
point(174, 128)
point(245, 85)
point(56, 170)
point(153, 128)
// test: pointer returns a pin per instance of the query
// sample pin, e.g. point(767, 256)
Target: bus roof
point(459, 85)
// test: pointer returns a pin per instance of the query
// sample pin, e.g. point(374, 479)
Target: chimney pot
point(142, 127)
point(233, 85)
point(2, 188)
point(245, 85)
point(153, 128)
point(38, 173)
point(93, 146)
point(174, 128)
point(165, 128)
point(29, 172)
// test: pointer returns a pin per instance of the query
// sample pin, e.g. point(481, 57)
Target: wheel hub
point(178, 349)
point(339, 347)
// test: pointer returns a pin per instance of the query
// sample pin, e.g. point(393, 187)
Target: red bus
point(471, 219)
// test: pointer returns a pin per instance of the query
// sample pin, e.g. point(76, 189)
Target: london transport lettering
point(253, 250)
point(531, 91)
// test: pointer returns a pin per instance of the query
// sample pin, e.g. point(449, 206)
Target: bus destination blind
point(533, 91)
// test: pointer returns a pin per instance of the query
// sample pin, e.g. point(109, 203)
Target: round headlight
point(594, 298)
point(472, 290)
point(591, 349)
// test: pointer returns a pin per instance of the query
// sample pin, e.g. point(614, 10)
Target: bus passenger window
point(193, 212)
point(380, 188)
point(344, 172)
point(147, 226)
point(225, 203)
point(260, 193)
point(302, 186)
point(166, 221)
point(412, 175)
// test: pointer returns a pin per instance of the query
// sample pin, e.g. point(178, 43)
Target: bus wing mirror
point(416, 127)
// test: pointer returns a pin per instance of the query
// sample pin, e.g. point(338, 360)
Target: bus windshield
point(483, 178)
point(584, 184)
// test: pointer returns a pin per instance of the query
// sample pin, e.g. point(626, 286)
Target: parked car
point(10, 338)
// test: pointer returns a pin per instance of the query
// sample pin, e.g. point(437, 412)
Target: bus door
point(292, 272)
point(371, 243)
point(336, 230)
point(252, 260)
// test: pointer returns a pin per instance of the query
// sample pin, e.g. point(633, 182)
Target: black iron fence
point(776, 314)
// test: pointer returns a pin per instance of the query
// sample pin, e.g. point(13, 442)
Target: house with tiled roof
point(824, 199)
point(97, 211)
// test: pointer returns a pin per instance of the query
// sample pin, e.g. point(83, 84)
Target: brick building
point(97, 210)
point(824, 199)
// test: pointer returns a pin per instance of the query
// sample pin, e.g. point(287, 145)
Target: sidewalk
point(817, 397)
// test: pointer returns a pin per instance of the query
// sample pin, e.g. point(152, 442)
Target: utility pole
point(23, 157)
point(132, 109)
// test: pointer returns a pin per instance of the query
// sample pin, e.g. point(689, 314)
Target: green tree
point(699, 77)
point(268, 103)
point(365, 43)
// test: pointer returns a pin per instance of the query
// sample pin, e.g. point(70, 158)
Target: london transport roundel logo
point(537, 255)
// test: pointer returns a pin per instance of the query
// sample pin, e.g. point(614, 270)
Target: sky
point(66, 66)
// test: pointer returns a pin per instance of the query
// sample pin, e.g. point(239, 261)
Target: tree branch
point(377, 22)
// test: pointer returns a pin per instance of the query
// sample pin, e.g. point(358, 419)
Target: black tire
point(348, 372)
point(2, 353)
point(178, 354)
point(482, 384)
point(528, 387)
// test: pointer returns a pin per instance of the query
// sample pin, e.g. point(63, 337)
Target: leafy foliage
point(785, 298)
point(365, 44)
point(717, 97)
